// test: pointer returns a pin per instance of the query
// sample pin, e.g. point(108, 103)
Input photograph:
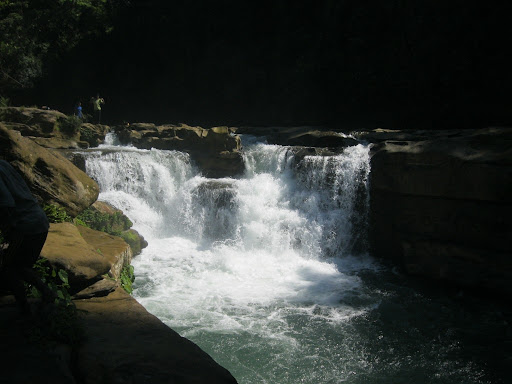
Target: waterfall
point(264, 272)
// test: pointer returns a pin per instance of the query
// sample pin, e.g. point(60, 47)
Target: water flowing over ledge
point(270, 272)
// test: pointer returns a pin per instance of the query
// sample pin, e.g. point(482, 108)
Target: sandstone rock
point(59, 143)
point(85, 254)
point(440, 207)
point(53, 129)
point(302, 136)
point(113, 249)
point(52, 178)
point(216, 150)
point(126, 344)
point(110, 219)
point(100, 288)
point(37, 122)
point(123, 344)
point(93, 134)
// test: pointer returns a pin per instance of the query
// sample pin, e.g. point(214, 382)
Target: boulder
point(104, 217)
point(93, 134)
point(51, 177)
point(441, 207)
point(86, 254)
point(126, 344)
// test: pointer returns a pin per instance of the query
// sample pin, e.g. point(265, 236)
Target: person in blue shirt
point(24, 226)
point(79, 110)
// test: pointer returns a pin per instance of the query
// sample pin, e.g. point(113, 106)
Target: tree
point(35, 32)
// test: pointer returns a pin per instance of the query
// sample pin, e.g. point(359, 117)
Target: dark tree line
point(397, 63)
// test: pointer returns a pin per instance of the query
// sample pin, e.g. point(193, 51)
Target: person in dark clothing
point(24, 226)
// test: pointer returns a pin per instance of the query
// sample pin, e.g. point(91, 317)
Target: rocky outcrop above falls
point(53, 129)
point(215, 150)
point(441, 203)
point(318, 137)
point(51, 177)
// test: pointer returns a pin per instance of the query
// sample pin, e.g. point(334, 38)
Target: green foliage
point(88, 134)
point(57, 281)
point(58, 321)
point(4, 101)
point(36, 31)
point(127, 278)
point(70, 125)
point(113, 224)
point(56, 214)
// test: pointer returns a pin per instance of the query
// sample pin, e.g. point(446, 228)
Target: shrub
point(57, 322)
point(4, 101)
point(127, 278)
point(56, 214)
point(112, 224)
point(70, 125)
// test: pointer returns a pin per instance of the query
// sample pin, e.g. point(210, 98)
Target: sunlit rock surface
point(51, 177)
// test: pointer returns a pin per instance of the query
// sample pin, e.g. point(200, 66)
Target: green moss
point(132, 239)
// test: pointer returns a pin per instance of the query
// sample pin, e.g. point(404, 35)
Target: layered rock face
point(441, 203)
point(215, 150)
point(51, 177)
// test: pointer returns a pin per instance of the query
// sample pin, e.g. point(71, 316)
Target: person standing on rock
point(96, 103)
point(24, 226)
point(79, 113)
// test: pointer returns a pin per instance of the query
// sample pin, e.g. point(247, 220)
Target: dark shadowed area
point(393, 64)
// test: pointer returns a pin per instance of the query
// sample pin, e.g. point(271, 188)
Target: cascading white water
point(263, 272)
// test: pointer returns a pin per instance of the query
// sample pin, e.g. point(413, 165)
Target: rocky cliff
point(441, 203)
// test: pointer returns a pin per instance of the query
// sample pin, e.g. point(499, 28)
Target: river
point(270, 273)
